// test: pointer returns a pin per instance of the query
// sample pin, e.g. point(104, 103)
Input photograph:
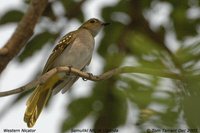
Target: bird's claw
point(84, 79)
point(70, 69)
point(90, 75)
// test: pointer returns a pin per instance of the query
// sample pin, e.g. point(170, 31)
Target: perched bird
point(74, 49)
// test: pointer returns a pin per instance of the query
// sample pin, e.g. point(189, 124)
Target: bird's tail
point(38, 100)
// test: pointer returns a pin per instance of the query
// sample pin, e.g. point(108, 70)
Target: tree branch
point(127, 69)
point(22, 33)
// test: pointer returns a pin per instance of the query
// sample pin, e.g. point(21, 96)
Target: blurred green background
point(158, 34)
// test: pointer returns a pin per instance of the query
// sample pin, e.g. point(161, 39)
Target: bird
point(75, 49)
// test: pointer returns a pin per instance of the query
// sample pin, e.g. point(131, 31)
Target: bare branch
point(127, 69)
point(22, 33)
point(3, 51)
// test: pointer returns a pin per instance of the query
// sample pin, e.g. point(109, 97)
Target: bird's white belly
point(76, 55)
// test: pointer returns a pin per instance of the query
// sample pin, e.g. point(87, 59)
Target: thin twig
point(22, 33)
point(127, 69)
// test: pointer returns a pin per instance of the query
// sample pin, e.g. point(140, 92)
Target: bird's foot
point(90, 75)
point(70, 70)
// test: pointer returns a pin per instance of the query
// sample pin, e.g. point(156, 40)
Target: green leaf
point(112, 62)
point(78, 110)
point(141, 44)
point(184, 27)
point(114, 112)
point(192, 86)
point(191, 109)
point(138, 93)
point(36, 43)
point(11, 16)
point(154, 63)
point(169, 118)
point(146, 3)
point(109, 40)
point(189, 53)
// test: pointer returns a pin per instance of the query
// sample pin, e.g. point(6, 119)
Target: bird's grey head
point(93, 25)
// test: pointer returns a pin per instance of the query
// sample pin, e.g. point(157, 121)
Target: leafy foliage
point(11, 16)
point(36, 43)
point(81, 106)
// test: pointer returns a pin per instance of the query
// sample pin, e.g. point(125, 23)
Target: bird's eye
point(92, 21)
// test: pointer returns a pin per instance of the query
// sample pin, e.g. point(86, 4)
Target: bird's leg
point(70, 70)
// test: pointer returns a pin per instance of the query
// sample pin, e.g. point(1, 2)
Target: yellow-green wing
point(60, 47)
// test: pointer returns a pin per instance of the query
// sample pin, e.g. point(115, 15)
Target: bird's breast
point(77, 54)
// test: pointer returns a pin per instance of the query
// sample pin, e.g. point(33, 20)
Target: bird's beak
point(105, 24)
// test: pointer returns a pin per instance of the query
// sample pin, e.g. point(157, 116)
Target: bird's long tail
point(38, 100)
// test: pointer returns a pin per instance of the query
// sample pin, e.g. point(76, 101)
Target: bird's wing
point(60, 47)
